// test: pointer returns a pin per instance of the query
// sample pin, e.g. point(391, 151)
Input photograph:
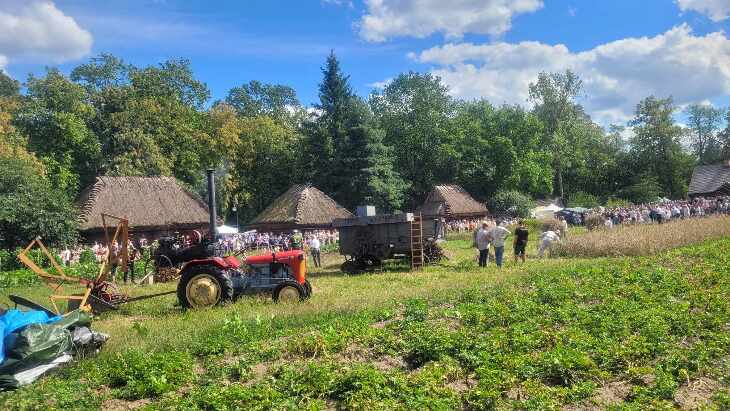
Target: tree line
point(108, 117)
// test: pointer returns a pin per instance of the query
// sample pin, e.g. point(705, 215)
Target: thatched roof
point(710, 180)
point(149, 203)
point(452, 201)
point(302, 206)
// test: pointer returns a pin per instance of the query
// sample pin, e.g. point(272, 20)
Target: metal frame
point(55, 281)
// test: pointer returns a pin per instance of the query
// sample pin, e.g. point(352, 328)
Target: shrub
point(511, 203)
point(583, 199)
point(617, 202)
point(5, 260)
point(17, 278)
point(87, 257)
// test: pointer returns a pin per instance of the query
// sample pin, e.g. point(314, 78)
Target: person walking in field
point(563, 226)
point(520, 243)
point(314, 249)
point(481, 242)
point(498, 234)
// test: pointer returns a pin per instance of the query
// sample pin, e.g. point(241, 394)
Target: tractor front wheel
point(307, 289)
point(204, 286)
point(289, 292)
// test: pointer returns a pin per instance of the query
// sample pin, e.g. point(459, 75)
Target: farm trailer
point(367, 241)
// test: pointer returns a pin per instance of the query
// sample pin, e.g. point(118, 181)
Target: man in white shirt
point(546, 240)
point(314, 246)
point(481, 241)
point(499, 233)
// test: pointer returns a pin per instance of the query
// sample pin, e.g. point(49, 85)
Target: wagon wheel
point(350, 267)
point(368, 263)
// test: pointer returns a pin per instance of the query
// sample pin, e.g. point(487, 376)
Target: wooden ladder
point(417, 242)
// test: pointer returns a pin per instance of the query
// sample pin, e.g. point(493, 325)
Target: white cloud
point(616, 75)
point(379, 85)
point(37, 30)
point(717, 10)
point(420, 18)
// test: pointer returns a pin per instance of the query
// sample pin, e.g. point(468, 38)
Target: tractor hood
point(281, 257)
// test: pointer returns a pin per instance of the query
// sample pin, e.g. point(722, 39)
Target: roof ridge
point(88, 205)
point(300, 202)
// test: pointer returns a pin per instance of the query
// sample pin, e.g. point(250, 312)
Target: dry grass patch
point(645, 239)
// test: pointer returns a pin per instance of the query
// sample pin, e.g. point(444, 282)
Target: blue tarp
point(14, 320)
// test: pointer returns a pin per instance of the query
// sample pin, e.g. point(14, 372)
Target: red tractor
point(212, 281)
point(208, 279)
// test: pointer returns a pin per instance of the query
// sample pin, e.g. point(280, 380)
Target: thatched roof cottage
point(452, 202)
point(301, 207)
point(155, 206)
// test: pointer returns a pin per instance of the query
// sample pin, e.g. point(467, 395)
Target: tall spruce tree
point(372, 178)
point(327, 135)
point(346, 150)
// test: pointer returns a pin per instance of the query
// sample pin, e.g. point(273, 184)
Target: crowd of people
point(253, 240)
point(664, 211)
point(469, 225)
point(311, 240)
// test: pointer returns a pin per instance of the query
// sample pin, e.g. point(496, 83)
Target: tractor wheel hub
point(203, 290)
point(289, 294)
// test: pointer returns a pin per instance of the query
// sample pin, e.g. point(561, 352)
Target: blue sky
point(624, 49)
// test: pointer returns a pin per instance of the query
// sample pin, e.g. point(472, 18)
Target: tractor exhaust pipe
point(211, 203)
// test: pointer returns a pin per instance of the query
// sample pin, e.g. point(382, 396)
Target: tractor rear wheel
point(289, 292)
point(204, 286)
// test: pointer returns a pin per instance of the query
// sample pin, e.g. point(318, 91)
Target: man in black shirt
point(521, 235)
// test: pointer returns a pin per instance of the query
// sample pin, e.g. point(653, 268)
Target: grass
point(644, 239)
point(635, 332)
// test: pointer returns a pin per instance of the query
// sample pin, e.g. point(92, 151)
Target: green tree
point(54, 116)
point(656, 146)
point(372, 178)
point(327, 152)
point(416, 113)
point(173, 79)
point(102, 72)
point(9, 87)
point(264, 164)
point(704, 123)
point(30, 204)
point(724, 138)
point(255, 99)
point(554, 97)
point(645, 189)
point(499, 149)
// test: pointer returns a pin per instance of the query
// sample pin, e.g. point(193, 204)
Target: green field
point(631, 333)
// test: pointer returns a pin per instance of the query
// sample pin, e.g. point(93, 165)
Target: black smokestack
point(211, 202)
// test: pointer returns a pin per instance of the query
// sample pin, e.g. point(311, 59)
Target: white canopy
point(226, 229)
point(545, 212)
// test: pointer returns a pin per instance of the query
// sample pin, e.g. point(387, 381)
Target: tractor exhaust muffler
point(211, 203)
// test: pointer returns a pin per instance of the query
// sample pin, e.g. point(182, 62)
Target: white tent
point(545, 212)
point(226, 229)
